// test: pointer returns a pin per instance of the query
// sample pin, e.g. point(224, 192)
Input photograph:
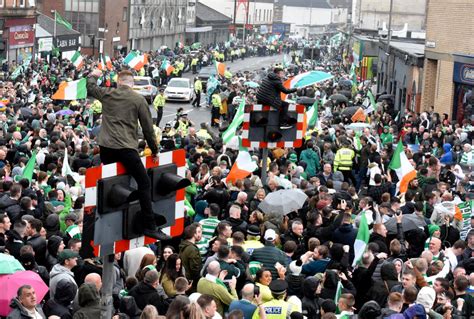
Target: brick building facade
point(449, 56)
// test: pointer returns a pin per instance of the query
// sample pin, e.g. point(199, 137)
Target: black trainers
point(156, 233)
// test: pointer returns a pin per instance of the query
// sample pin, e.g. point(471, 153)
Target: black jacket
point(330, 286)
point(89, 302)
point(14, 243)
point(217, 195)
point(11, 207)
point(61, 305)
point(39, 246)
point(270, 89)
point(82, 160)
point(299, 241)
point(19, 312)
point(380, 241)
point(237, 225)
point(310, 302)
point(146, 294)
point(381, 288)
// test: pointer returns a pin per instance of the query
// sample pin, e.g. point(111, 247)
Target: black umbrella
point(339, 98)
point(349, 111)
point(409, 222)
point(346, 84)
point(346, 93)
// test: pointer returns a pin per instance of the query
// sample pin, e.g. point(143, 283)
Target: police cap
point(278, 286)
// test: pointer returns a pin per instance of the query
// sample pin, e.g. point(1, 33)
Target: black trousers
point(197, 100)
point(134, 166)
point(159, 115)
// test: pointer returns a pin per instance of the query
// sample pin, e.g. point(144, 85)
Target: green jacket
point(190, 259)
point(122, 110)
point(220, 294)
point(311, 158)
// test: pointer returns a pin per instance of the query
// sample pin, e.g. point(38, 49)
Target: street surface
point(203, 114)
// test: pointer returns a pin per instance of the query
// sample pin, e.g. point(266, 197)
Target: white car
point(144, 86)
point(179, 89)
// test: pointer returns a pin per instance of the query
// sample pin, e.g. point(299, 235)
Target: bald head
point(234, 211)
point(94, 279)
point(435, 245)
point(248, 291)
point(214, 268)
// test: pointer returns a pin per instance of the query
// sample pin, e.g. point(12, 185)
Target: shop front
point(463, 77)
point(21, 38)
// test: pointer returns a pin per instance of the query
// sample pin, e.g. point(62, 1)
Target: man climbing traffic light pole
point(122, 110)
point(269, 93)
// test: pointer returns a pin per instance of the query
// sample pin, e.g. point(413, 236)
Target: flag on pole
point(402, 166)
point(236, 122)
point(74, 90)
point(136, 60)
point(338, 295)
point(357, 143)
point(220, 68)
point(362, 239)
point(243, 166)
point(62, 21)
point(30, 167)
point(66, 169)
point(359, 115)
point(166, 65)
point(105, 63)
point(313, 119)
point(372, 100)
point(77, 60)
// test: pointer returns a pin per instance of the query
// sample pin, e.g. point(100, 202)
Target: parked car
point(144, 86)
point(204, 75)
point(179, 89)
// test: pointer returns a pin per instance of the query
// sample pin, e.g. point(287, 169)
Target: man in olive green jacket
point(122, 110)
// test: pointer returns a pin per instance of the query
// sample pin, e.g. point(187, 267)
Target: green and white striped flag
point(312, 116)
point(236, 122)
point(362, 239)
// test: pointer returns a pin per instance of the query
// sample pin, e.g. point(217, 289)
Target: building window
point(124, 14)
point(22, 3)
point(270, 15)
point(264, 14)
point(259, 14)
point(2, 4)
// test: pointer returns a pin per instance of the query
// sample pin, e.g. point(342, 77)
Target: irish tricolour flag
point(166, 65)
point(362, 239)
point(220, 67)
point(136, 60)
point(74, 90)
point(402, 166)
point(105, 63)
point(77, 60)
point(243, 166)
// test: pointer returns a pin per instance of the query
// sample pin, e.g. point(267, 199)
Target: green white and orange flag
point(402, 166)
point(220, 68)
point(338, 295)
point(105, 63)
point(77, 60)
point(73, 90)
point(243, 166)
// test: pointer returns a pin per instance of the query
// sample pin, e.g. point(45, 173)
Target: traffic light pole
point(107, 301)
point(264, 166)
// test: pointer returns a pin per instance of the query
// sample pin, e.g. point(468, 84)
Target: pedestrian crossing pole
point(107, 301)
point(264, 166)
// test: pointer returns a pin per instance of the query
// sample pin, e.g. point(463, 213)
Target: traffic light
point(261, 127)
point(165, 182)
point(115, 193)
point(131, 226)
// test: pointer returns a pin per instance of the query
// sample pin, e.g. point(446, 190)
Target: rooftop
point(207, 14)
point(417, 49)
point(323, 4)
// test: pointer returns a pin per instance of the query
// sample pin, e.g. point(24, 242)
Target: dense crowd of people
point(234, 260)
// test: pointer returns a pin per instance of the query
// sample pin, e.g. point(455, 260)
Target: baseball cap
point(270, 235)
point(67, 254)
